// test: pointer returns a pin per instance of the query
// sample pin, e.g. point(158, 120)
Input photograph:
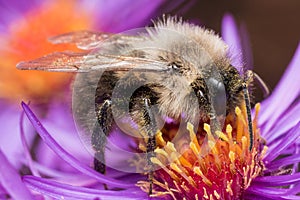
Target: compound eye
point(217, 95)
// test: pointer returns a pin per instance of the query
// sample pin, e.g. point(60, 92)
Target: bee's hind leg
point(100, 133)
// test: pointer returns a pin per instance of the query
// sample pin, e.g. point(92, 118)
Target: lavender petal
point(276, 149)
point(231, 36)
point(247, 51)
point(10, 180)
point(280, 180)
point(287, 122)
point(261, 192)
point(26, 148)
point(12, 148)
point(59, 190)
point(275, 165)
point(66, 156)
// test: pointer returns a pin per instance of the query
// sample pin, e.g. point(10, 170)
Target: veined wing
point(89, 40)
point(86, 61)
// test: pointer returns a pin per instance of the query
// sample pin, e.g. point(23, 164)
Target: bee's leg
point(100, 134)
point(151, 129)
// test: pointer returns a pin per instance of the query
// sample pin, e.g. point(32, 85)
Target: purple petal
point(276, 149)
point(231, 36)
point(11, 180)
point(284, 94)
point(60, 124)
point(287, 122)
point(26, 148)
point(59, 190)
point(296, 164)
point(12, 148)
point(246, 47)
point(66, 156)
point(261, 192)
point(277, 164)
point(52, 172)
point(280, 180)
point(295, 189)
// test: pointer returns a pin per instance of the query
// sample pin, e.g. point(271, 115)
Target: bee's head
point(218, 90)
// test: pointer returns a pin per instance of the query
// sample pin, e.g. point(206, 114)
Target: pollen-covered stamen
point(212, 167)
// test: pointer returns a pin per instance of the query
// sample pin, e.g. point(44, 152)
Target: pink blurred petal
point(10, 140)
point(246, 44)
point(14, 9)
point(126, 14)
point(231, 36)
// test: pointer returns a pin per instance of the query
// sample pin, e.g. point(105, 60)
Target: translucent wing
point(89, 40)
point(86, 61)
point(97, 55)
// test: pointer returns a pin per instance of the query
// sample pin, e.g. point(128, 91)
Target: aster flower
point(268, 171)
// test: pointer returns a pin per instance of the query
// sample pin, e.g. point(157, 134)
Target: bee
point(182, 70)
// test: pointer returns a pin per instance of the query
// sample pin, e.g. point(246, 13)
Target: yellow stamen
point(170, 147)
point(175, 168)
point(209, 134)
point(204, 178)
point(208, 161)
point(232, 157)
point(239, 125)
point(159, 139)
point(162, 152)
point(193, 137)
point(222, 136)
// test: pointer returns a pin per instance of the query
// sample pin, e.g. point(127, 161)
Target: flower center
point(217, 166)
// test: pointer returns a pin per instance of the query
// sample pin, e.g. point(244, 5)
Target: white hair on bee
point(187, 40)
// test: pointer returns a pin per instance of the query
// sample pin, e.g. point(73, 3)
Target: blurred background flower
point(25, 37)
